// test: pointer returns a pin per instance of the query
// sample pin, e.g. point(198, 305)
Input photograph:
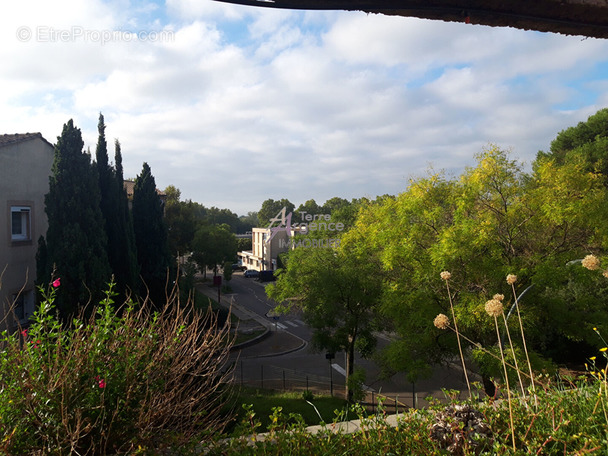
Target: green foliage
point(588, 140)
point(150, 237)
point(213, 246)
point(126, 270)
point(183, 219)
point(117, 216)
point(227, 269)
point(110, 382)
point(244, 244)
point(76, 242)
point(270, 208)
point(187, 280)
point(355, 384)
point(291, 402)
point(338, 291)
point(568, 417)
point(216, 216)
point(310, 207)
point(491, 221)
point(247, 222)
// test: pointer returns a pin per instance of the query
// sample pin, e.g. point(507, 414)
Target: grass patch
point(202, 303)
point(264, 401)
point(242, 338)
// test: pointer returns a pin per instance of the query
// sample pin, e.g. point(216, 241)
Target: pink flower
point(102, 383)
point(57, 282)
point(24, 333)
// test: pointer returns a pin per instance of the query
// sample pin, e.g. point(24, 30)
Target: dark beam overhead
point(570, 17)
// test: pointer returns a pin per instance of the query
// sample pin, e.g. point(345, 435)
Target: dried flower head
point(499, 297)
point(494, 307)
point(446, 275)
point(441, 321)
point(605, 273)
point(511, 279)
point(591, 262)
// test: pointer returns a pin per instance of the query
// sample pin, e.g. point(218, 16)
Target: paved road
point(285, 356)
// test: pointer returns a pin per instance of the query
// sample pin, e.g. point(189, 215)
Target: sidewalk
point(274, 344)
point(271, 343)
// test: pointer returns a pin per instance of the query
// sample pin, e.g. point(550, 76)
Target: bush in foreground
point(113, 381)
point(570, 418)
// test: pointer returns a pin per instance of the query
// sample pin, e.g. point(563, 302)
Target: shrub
point(112, 381)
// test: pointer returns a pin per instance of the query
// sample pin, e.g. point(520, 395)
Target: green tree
point(126, 268)
point(310, 207)
point(151, 237)
point(213, 246)
point(270, 208)
point(244, 244)
point(587, 141)
point(76, 242)
point(114, 208)
point(247, 222)
point(334, 204)
point(216, 216)
point(227, 270)
point(492, 221)
point(338, 291)
point(183, 218)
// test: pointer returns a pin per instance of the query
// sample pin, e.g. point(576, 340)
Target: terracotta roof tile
point(6, 140)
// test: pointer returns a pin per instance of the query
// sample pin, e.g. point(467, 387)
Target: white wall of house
point(25, 167)
point(263, 255)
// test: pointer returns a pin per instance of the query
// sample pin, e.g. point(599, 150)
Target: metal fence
point(283, 379)
point(271, 377)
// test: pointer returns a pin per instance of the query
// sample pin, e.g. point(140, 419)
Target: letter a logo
point(284, 224)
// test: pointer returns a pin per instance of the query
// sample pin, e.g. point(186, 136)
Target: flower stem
point(523, 338)
point(464, 367)
point(521, 383)
point(507, 382)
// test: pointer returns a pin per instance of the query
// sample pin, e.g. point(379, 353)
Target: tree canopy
point(213, 245)
point(114, 208)
point(338, 291)
point(151, 237)
point(491, 221)
point(270, 208)
point(75, 248)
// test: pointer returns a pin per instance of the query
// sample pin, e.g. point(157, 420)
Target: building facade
point(265, 251)
point(25, 166)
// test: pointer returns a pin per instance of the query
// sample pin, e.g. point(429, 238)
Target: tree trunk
point(350, 366)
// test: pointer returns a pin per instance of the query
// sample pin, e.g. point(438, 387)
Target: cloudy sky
point(234, 105)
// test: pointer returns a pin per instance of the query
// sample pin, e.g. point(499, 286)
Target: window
point(21, 223)
point(23, 305)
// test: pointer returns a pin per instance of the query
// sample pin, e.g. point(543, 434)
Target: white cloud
point(242, 104)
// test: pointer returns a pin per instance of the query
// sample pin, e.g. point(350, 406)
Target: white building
point(265, 251)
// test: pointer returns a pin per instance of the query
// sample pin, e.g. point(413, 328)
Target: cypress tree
point(126, 269)
point(114, 207)
point(76, 242)
point(108, 194)
point(150, 237)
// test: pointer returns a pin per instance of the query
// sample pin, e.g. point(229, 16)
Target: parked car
point(266, 276)
point(238, 267)
point(251, 273)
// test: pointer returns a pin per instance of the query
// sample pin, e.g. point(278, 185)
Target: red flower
point(102, 383)
point(24, 333)
point(56, 282)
